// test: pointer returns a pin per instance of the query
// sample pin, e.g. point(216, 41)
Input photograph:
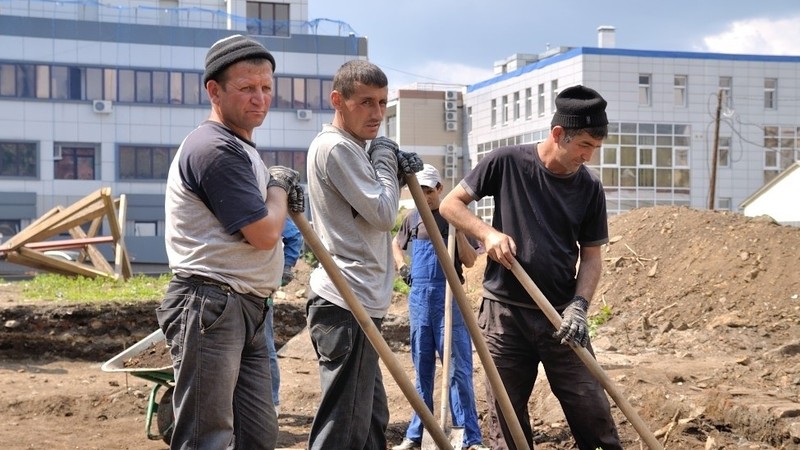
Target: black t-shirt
point(546, 214)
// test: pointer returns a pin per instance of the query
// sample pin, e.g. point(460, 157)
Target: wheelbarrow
point(162, 375)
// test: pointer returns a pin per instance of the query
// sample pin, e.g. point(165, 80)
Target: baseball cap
point(428, 176)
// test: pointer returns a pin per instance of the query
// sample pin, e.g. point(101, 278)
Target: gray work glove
point(574, 328)
point(405, 274)
point(297, 199)
point(407, 163)
point(283, 177)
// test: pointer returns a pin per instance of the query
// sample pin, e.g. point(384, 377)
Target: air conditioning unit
point(451, 95)
point(102, 106)
point(449, 172)
point(57, 153)
point(450, 105)
point(450, 149)
point(450, 160)
point(304, 114)
point(451, 126)
point(451, 116)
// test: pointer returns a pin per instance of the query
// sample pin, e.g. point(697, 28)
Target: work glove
point(297, 199)
point(407, 162)
point(283, 177)
point(288, 276)
point(574, 328)
point(405, 274)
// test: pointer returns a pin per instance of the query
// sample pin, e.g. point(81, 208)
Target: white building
point(94, 94)
point(662, 112)
point(778, 198)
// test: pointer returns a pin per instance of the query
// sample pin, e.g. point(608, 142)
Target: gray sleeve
point(372, 192)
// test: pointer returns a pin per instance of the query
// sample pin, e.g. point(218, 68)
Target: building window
point(681, 84)
point(74, 162)
point(469, 118)
point(540, 103)
point(295, 159)
point(517, 106)
point(145, 228)
point(553, 95)
point(142, 162)
point(494, 112)
point(504, 110)
point(724, 203)
point(770, 93)
point(644, 89)
point(724, 152)
point(268, 19)
point(726, 86)
point(528, 103)
point(18, 160)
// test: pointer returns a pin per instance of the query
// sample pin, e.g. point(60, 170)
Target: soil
point(702, 339)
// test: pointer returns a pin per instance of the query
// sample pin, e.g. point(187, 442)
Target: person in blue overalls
point(426, 315)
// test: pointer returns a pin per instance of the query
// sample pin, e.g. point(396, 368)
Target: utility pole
point(712, 189)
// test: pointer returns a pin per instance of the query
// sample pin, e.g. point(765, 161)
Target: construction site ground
point(703, 340)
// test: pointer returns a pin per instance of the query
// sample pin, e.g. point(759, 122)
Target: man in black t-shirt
point(550, 212)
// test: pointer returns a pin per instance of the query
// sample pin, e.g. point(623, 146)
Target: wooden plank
point(65, 244)
point(60, 264)
point(23, 236)
point(122, 264)
point(42, 229)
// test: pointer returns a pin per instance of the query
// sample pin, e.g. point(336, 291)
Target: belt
point(226, 288)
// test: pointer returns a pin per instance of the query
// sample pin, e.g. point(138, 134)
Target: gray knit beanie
point(579, 107)
point(231, 50)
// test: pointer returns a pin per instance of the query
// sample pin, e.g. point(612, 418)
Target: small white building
point(778, 198)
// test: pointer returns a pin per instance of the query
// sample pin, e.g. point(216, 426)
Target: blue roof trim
point(626, 52)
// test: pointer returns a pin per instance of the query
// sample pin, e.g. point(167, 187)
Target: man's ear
point(336, 99)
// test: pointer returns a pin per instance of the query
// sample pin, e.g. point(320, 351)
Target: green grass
point(602, 316)
point(50, 287)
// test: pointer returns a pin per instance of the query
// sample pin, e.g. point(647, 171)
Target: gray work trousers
point(518, 340)
point(353, 411)
point(222, 397)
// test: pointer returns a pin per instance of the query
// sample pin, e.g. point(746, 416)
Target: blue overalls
point(426, 317)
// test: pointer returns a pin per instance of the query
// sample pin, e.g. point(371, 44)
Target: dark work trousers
point(518, 340)
point(219, 353)
point(353, 411)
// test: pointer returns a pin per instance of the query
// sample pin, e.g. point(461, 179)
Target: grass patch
point(602, 316)
point(51, 287)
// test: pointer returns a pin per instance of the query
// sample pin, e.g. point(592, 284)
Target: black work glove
point(288, 276)
point(574, 328)
point(407, 163)
point(283, 177)
point(405, 274)
point(297, 199)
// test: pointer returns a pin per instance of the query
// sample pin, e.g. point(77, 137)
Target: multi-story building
point(669, 113)
point(427, 119)
point(95, 95)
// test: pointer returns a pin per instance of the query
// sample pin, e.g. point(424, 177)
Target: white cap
point(428, 176)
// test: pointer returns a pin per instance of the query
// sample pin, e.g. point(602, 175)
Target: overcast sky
point(458, 41)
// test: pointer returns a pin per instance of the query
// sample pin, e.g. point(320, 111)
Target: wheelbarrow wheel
point(165, 418)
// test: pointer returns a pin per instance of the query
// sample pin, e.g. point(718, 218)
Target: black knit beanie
point(579, 107)
point(231, 50)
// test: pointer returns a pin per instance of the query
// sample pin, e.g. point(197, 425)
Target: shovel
point(492, 375)
point(584, 355)
point(370, 330)
point(456, 433)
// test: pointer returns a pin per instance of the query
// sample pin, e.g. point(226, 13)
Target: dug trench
point(700, 333)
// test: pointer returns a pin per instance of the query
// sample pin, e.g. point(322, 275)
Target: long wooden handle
point(587, 358)
point(500, 393)
point(448, 335)
point(372, 332)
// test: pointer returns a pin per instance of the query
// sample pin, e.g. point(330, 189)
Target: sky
point(458, 41)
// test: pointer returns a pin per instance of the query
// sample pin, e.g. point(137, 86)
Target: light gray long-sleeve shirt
point(354, 205)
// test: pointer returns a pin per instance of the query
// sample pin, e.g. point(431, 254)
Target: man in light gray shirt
point(354, 196)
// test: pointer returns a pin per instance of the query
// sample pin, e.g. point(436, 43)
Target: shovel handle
point(587, 358)
point(372, 332)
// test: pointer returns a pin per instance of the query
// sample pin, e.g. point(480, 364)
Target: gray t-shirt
point(353, 206)
point(217, 184)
